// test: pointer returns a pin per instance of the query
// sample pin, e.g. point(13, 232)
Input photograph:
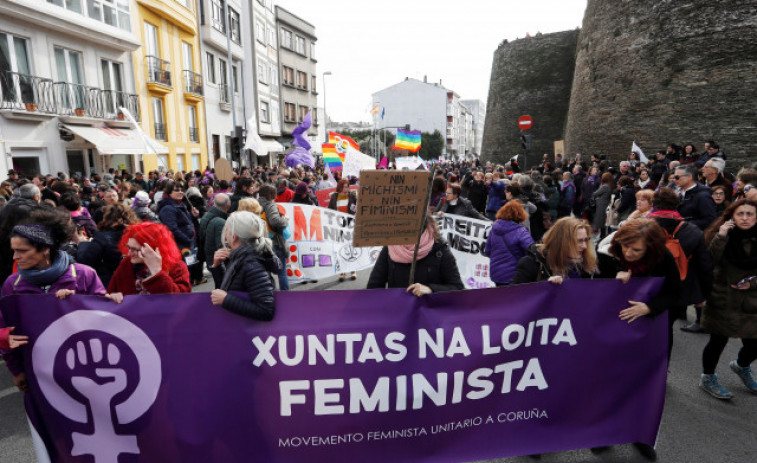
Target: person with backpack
point(685, 242)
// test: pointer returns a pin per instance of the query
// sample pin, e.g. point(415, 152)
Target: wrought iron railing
point(192, 82)
point(158, 70)
point(223, 93)
point(160, 131)
point(23, 91)
point(194, 135)
point(114, 100)
point(78, 100)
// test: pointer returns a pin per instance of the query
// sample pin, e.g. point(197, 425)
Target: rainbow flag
point(408, 140)
point(331, 157)
point(374, 110)
point(342, 143)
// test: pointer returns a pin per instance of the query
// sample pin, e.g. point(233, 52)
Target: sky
point(370, 45)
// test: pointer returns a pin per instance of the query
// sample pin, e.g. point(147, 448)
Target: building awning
point(111, 140)
point(263, 146)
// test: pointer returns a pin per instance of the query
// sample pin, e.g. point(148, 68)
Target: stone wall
point(529, 76)
point(660, 71)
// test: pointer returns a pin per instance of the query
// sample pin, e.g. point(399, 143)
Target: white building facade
point(261, 79)
point(426, 106)
point(222, 80)
point(65, 70)
point(477, 109)
point(297, 69)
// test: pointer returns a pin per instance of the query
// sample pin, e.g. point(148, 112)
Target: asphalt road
point(695, 427)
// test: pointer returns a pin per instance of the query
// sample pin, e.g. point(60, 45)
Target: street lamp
point(325, 116)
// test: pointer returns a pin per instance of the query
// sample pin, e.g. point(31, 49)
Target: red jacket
point(177, 281)
point(285, 197)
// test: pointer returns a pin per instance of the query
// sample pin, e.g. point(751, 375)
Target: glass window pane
point(60, 65)
point(74, 59)
point(22, 57)
point(94, 10)
point(74, 5)
point(117, 83)
point(109, 14)
point(5, 56)
point(105, 65)
point(124, 21)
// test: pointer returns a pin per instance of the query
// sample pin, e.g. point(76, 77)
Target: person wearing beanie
point(141, 207)
point(302, 194)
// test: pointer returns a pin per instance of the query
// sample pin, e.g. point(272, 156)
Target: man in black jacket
point(210, 233)
point(696, 204)
point(455, 204)
point(698, 280)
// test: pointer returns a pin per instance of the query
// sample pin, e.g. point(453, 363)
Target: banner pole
point(423, 228)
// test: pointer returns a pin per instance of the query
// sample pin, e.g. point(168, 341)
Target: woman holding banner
point(507, 242)
point(43, 268)
point(565, 252)
point(152, 263)
point(249, 260)
point(436, 269)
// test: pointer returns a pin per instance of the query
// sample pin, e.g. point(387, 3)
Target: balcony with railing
point(224, 97)
point(114, 100)
point(160, 131)
point(78, 100)
point(27, 92)
point(194, 135)
point(158, 74)
point(193, 90)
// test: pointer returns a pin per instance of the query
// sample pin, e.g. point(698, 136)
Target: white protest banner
point(408, 162)
point(355, 161)
point(467, 240)
point(320, 243)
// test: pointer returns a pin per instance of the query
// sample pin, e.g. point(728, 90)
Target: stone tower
point(529, 76)
point(660, 71)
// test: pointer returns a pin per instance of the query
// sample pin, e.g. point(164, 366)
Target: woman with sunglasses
point(152, 263)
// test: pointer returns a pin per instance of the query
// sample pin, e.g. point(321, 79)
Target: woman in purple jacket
point(44, 269)
point(507, 242)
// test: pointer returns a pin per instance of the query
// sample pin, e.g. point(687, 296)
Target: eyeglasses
point(584, 240)
point(718, 193)
point(748, 188)
point(676, 177)
point(133, 250)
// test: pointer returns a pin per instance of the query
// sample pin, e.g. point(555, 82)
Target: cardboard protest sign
point(223, 169)
point(391, 206)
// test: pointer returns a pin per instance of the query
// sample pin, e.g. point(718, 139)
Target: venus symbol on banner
point(97, 346)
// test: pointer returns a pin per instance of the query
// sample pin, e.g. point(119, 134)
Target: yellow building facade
point(169, 83)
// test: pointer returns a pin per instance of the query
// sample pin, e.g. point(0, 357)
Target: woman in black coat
point(248, 261)
point(101, 252)
point(435, 270)
point(638, 250)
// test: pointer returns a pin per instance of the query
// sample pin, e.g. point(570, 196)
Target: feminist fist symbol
point(104, 444)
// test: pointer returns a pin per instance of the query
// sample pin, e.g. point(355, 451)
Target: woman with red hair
point(153, 264)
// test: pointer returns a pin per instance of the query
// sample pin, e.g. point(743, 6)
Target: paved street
point(695, 427)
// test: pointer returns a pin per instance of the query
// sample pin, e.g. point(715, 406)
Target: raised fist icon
point(104, 444)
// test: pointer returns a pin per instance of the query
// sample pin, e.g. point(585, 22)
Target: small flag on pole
point(383, 113)
point(635, 149)
point(375, 110)
point(408, 140)
point(331, 158)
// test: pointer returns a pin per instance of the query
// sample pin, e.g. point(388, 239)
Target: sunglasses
point(676, 177)
point(748, 188)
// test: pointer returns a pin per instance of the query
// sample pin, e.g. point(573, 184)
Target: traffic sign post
point(525, 123)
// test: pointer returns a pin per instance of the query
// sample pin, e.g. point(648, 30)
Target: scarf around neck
point(736, 253)
point(49, 275)
point(403, 253)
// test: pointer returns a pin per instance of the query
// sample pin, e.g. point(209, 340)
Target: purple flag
point(371, 376)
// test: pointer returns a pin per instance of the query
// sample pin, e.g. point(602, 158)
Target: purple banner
point(368, 376)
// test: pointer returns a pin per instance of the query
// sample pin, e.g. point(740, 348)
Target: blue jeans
point(283, 280)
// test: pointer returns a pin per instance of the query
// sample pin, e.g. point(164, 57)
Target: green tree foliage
point(432, 145)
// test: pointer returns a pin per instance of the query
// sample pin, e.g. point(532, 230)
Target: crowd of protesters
point(680, 215)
